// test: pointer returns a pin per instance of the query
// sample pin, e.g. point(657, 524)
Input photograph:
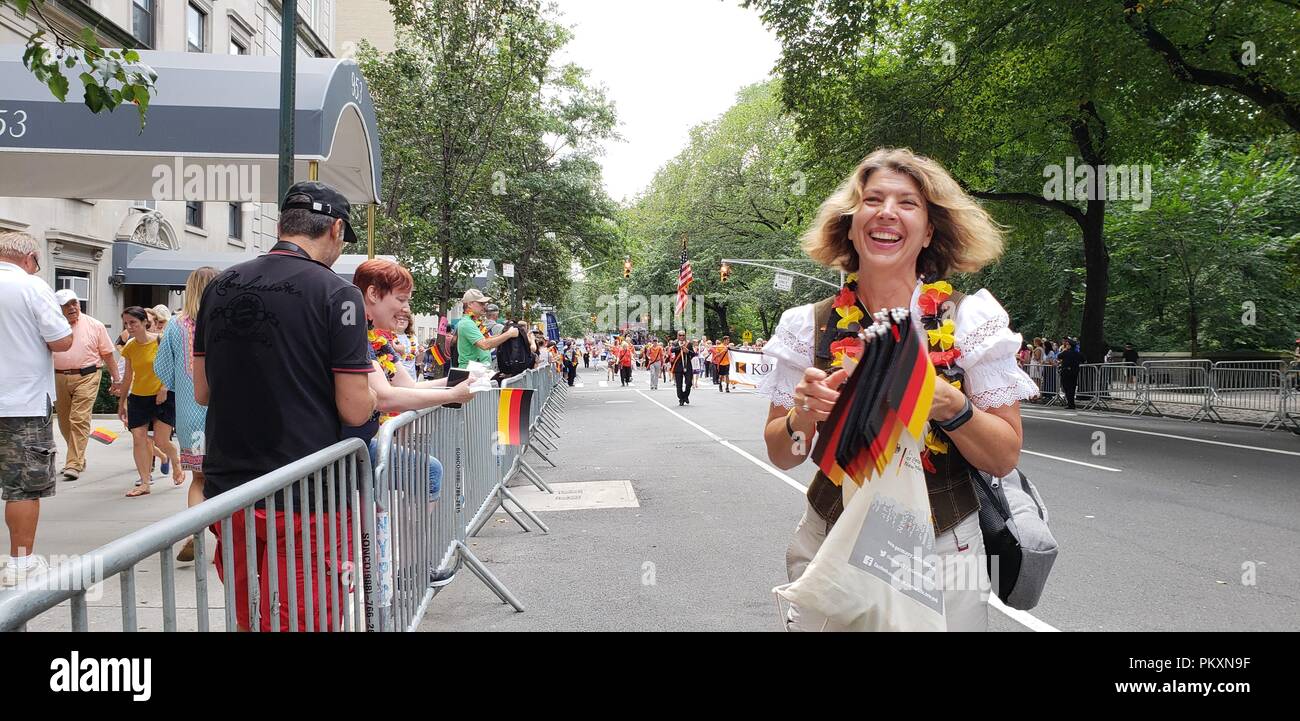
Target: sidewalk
point(93, 510)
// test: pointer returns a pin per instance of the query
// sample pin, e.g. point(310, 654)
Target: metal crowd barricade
point(322, 492)
point(1088, 389)
point(371, 543)
point(1119, 383)
point(489, 470)
point(427, 535)
point(1180, 382)
point(1246, 386)
point(1045, 377)
point(1289, 405)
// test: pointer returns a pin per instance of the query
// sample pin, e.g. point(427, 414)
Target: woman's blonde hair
point(194, 287)
point(966, 238)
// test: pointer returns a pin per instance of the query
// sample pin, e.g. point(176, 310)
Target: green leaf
point(94, 97)
point(142, 97)
point(22, 6)
point(58, 84)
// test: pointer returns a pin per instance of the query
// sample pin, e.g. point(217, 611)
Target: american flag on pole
point(684, 279)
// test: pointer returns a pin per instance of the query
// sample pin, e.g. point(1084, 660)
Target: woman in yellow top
point(147, 402)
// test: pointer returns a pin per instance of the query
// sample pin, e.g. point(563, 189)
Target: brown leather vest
point(952, 497)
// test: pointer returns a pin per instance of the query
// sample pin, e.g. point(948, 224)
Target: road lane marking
point(1022, 617)
point(1058, 458)
point(1164, 435)
point(746, 454)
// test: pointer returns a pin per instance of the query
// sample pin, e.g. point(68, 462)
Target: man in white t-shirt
point(32, 328)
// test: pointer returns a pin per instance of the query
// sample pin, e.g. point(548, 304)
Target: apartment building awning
point(213, 127)
point(136, 265)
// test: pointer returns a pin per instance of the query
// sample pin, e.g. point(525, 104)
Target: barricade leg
point(543, 455)
point(515, 518)
point(508, 496)
point(478, 569)
point(532, 476)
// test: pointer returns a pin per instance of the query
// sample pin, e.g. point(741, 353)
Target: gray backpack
point(1019, 545)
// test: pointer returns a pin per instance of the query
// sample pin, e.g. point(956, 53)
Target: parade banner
point(748, 367)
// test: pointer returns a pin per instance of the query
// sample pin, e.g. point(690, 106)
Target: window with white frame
point(142, 21)
point(194, 213)
point(77, 281)
point(236, 231)
point(196, 28)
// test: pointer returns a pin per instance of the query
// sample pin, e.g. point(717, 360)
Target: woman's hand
point(460, 393)
point(816, 394)
point(948, 401)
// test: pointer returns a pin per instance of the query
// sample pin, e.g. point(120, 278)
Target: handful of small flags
point(889, 390)
point(103, 435)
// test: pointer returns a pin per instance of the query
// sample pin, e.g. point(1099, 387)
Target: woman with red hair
point(387, 287)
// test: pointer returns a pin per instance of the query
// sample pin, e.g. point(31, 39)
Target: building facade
point(369, 20)
point(78, 235)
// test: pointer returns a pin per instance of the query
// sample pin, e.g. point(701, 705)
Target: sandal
point(137, 492)
point(178, 478)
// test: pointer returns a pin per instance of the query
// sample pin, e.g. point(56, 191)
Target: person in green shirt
point(471, 344)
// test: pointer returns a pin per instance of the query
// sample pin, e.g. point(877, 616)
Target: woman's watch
point(957, 421)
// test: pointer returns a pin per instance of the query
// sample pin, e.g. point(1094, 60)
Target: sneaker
point(440, 578)
point(21, 578)
point(71, 474)
point(166, 468)
point(187, 551)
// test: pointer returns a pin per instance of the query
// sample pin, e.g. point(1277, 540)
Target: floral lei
point(380, 341)
point(941, 337)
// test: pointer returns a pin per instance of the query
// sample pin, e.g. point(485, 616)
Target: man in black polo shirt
point(280, 360)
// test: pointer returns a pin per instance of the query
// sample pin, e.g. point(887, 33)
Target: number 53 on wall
point(16, 125)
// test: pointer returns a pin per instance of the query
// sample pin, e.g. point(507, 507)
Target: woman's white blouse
point(983, 334)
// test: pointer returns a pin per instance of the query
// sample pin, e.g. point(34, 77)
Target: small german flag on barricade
point(436, 352)
point(512, 416)
point(889, 390)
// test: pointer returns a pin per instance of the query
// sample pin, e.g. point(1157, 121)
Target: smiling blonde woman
point(900, 224)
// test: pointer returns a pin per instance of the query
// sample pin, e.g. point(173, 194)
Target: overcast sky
point(668, 65)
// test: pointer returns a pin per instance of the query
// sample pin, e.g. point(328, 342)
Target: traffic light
point(627, 268)
point(725, 272)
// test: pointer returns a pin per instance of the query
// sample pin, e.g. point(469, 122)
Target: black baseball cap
point(321, 198)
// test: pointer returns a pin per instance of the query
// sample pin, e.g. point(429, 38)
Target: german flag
point(436, 352)
point(103, 435)
point(512, 416)
point(889, 391)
